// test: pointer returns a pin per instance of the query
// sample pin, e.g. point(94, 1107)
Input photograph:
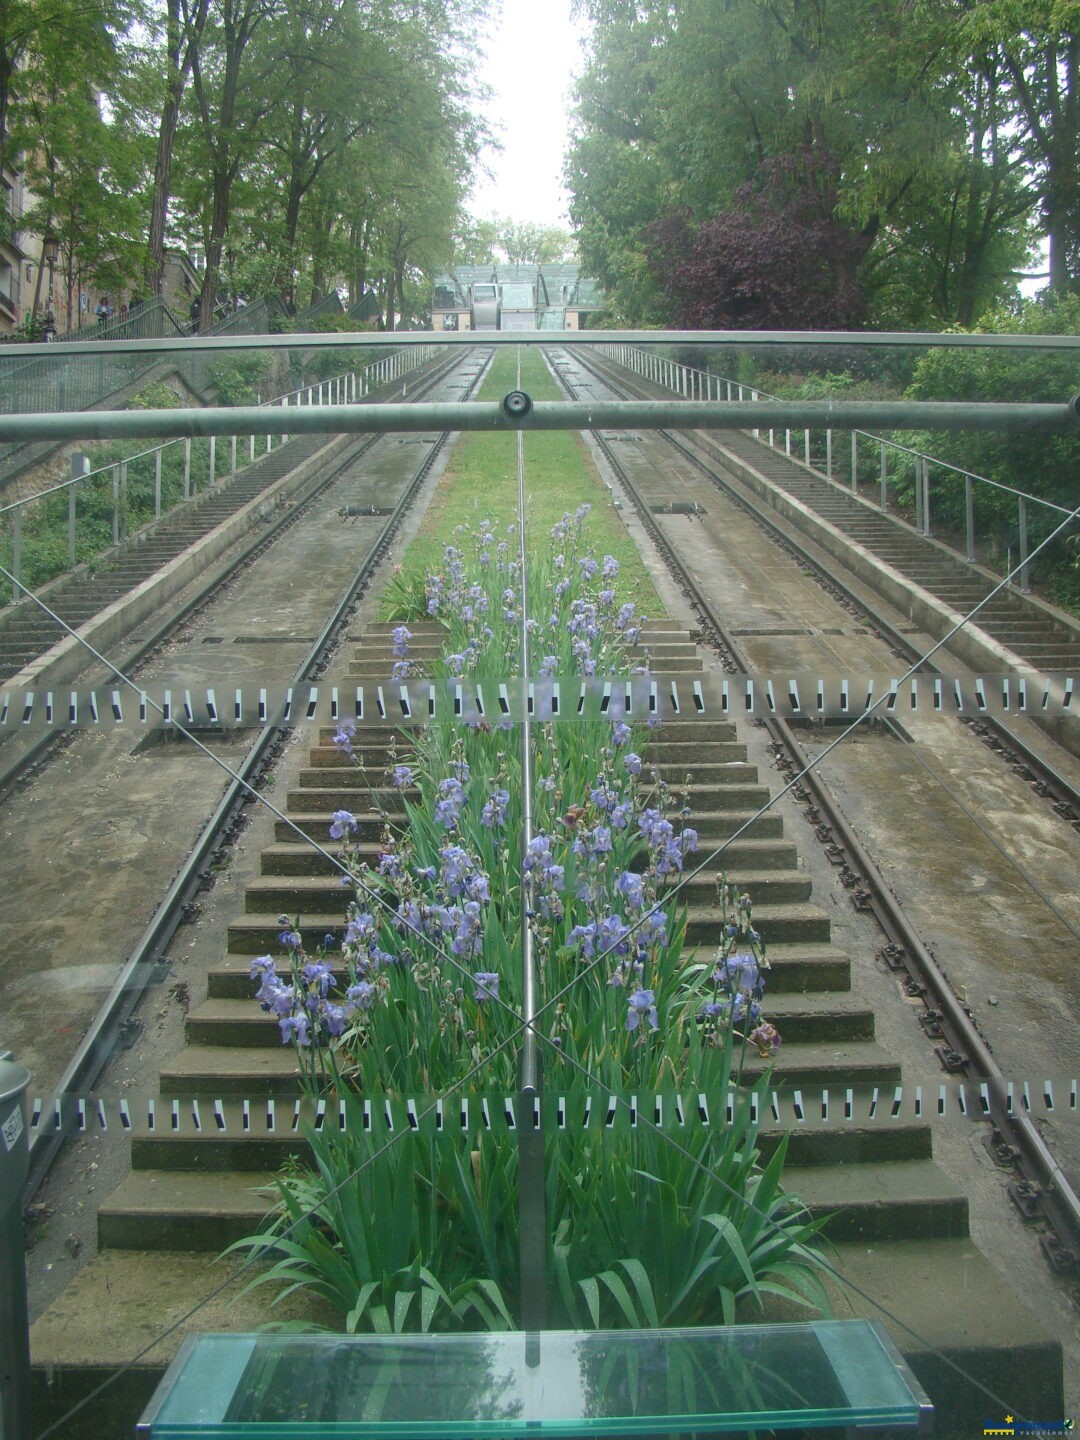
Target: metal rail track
point(15, 770)
point(1048, 782)
point(1040, 1187)
point(115, 1015)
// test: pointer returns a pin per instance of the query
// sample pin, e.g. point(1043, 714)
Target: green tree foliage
point(294, 146)
point(905, 113)
point(1045, 466)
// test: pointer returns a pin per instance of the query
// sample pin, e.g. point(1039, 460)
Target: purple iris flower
point(486, 984)
point(345, 822)
point(642, 1007)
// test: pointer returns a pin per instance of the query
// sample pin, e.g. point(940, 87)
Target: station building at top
point(514, 297)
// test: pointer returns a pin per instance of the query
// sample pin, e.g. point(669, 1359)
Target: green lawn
point(481, 483)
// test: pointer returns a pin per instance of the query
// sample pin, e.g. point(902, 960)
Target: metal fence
point(892, 462)
point(147, 483)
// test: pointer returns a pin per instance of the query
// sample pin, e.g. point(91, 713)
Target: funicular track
point(27, 632)
point(228, 813)
point(898, 1218)
point(1041, 1183)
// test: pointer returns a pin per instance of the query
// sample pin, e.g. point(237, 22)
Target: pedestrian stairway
point(898, 1223)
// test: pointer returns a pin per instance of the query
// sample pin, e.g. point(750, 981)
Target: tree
point(525, 243)
point(777, 259)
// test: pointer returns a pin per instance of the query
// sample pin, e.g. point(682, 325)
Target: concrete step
point(257, 933)
point(396, 750)
point(350, 790)
point(797, 969)
point(296, 858)
point(691, 733)
point(256, 1071)
point(196, 1210)
point(237, 1149)
point(945, 1308)
point(321, 894)
point(701, 774)
point(714, 826)
point(824, 1019)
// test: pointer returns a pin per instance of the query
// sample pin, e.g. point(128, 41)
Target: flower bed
point(425, 997)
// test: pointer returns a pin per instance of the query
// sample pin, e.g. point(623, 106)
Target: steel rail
point(825, 339)
point(98, 1045)
point(1062, 790)
point(964, 1044)
point(1046, 419)
point(31, 755)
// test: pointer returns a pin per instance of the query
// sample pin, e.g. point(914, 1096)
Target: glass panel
point(565, 1382)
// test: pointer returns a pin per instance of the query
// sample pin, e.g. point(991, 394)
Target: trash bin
point(14, 1316)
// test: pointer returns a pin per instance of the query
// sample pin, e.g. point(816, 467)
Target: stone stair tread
point(894, 1197)
point(810, 953)
point(121, 1298)
point(229, 1193)
point(825, 1186)
point(943, 1300)
point(199, 1068)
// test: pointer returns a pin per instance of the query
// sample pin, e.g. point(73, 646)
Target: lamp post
point(50, 249)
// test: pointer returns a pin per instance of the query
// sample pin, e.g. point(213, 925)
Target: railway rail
point(717, 632)
point(1041, 1185)
point(31, 763)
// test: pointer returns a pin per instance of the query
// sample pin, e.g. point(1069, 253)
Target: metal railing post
point(1022, 519)
point(854, 462)
point(969, 518)
point(80, 464)
point(124, 496)
point(232, 449)
point(806, 447)
point(157, 482)
point(918, 495)
point(187, 469)
point(16, 552)
point(251, 449)
point(116, 504)
point(828, 452)
point(14, 1310)
point(926, 496)
point(212, 462)
point(884, 479)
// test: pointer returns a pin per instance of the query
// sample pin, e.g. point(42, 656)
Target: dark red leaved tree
point(778, 259)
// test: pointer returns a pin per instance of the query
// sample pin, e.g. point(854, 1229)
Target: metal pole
point(116, 504)
point(532, 1228)
point(157, 483)
point(926, 495)
point(14, 1311)
point(918, 495)
point(1025, 585)
point(884, 479)
point(828, 451)
point(543, 415)
point(233, 455)
point(969, 517)
point(187, 469)
point(16, 552)
point(854, 462)
point(124, 495)
point(212, 461)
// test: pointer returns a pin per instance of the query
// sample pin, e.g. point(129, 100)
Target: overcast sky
point(532, 58)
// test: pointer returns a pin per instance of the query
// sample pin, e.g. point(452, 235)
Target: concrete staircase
point(899, 1224)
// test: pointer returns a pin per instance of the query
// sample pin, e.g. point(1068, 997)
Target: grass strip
point(481, 483)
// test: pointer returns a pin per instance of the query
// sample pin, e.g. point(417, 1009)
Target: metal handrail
point(689, 381)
